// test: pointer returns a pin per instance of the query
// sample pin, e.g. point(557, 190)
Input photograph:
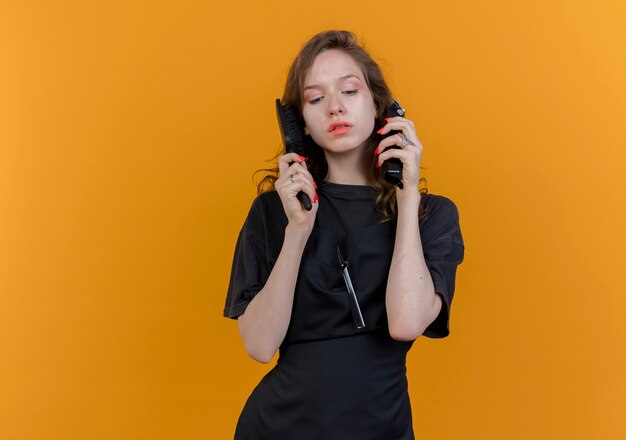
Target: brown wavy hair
point(316, 159)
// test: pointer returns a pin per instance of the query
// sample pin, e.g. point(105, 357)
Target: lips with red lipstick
point(339, 127)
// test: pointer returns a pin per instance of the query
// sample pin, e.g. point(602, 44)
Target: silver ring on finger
point(405, 140)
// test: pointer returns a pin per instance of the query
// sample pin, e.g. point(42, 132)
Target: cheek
point(312, 123)
point(371, 122)
point(369, 114)
point(314, 127)
point(316, 136)
point(370, 119)
point(308, 114)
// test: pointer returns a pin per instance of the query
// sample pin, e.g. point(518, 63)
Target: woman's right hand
point(288, 190)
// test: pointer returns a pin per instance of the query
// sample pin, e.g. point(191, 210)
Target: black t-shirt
point(347, 217)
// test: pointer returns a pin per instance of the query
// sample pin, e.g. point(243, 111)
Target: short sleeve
point(444, 250)
point(249, 270)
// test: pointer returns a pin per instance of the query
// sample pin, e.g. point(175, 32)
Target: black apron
point(333, 380)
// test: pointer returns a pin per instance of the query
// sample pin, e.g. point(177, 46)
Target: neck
point(346, 168)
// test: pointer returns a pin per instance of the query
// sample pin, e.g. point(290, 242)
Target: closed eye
point(346, 92)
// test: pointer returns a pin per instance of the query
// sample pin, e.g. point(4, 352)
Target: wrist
point(411, 194)
point(298, 232)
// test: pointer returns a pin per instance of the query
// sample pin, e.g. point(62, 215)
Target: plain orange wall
point(129, 132)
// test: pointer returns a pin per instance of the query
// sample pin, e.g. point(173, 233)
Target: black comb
point(293, 139)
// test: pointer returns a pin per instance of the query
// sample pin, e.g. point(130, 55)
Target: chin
point(344, 145)
point(335, 149)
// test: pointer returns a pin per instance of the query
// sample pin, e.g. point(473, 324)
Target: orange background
point(129, 132)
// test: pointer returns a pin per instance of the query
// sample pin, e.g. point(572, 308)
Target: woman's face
point(338, 108)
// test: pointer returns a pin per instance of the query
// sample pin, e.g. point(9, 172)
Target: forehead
point(331, 65)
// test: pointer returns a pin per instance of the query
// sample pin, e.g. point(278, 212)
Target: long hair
point(316, 159)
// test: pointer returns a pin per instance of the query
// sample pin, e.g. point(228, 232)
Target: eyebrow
point(341, 78)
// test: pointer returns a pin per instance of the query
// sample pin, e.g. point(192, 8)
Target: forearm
point(410, 298)
point(264, 324)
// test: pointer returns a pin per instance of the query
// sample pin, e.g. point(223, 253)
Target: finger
point(298, 169)
point(397, 123)
point(405, 141)
point(301, 183)
point(308, 189)
point(286, 159)
point(397, 141)
point(403, 155)
point(389, 142)
point(401, 127)
point(401, 119)
point(301, 167)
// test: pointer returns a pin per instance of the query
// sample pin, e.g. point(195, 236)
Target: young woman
point(343, 332)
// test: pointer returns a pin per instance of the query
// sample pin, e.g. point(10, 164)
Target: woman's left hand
point(410, 153)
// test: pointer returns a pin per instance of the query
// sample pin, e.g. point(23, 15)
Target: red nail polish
point(380, 131)
point(316, 198)
point(388, 119)
point(377, 165)
point(302, 157)
point(314, 185)
point(376, 151)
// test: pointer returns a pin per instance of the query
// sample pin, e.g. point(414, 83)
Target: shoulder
point(441, 217)
point(266, 203)
point(266, 209)
point(438, 206)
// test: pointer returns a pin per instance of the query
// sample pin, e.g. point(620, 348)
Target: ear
point(306, 131)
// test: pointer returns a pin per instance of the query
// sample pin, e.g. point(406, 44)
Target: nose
point(335, 107)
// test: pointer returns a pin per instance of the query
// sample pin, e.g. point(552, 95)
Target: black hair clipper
point(293, 139)
point(392, 167)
